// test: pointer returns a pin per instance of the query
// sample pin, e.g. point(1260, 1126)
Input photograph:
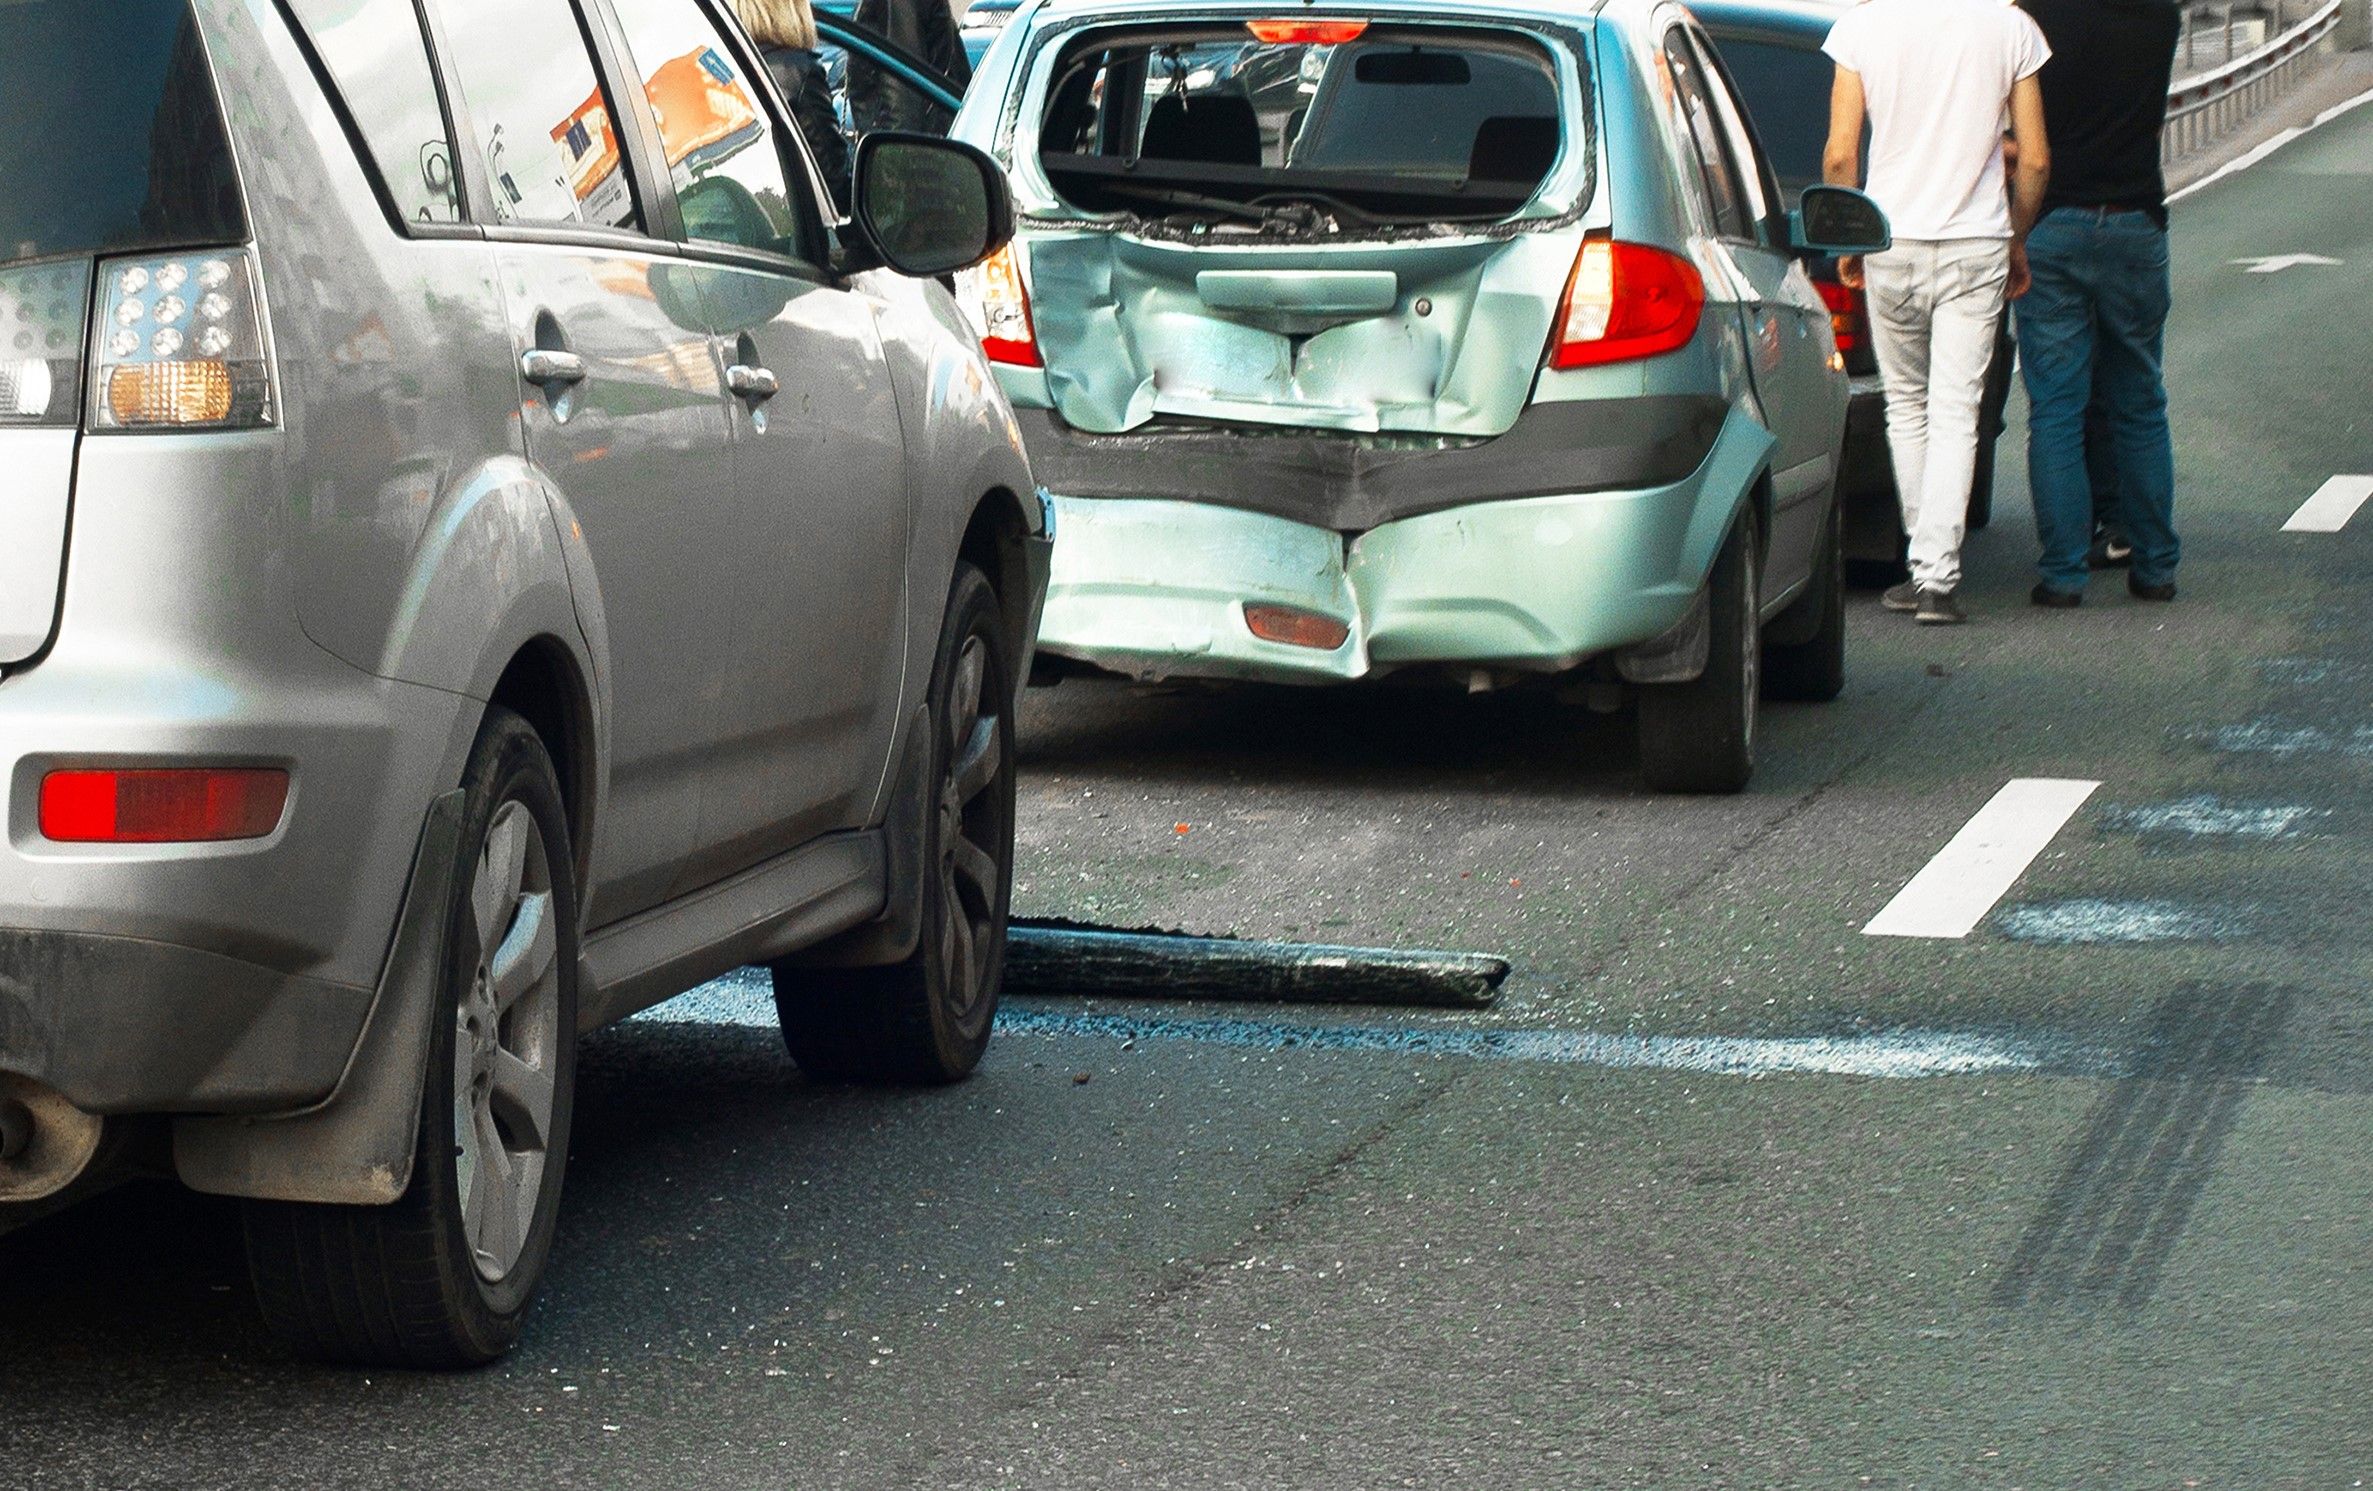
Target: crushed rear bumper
point(1155, 587)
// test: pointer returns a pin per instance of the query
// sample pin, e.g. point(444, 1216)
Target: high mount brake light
point(1288, 32)
point(182, 805)
point(179, 344)
point(1626, 301)
point(1001, 306)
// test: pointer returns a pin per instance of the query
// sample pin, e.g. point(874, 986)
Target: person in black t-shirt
point(2093, 329)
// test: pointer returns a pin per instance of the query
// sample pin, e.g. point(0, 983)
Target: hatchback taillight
point(179, 344)
point(1849, 315)
point(1626, 301)
point(1001, 307)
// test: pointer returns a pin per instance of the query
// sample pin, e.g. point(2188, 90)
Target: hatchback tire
point(1804, 654)
point(927, 1019)
point(1700, 736)
point(443, 1277)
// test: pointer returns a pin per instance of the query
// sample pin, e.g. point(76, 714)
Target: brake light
point(1292, 33)
point(1626, 301)
point(179, 345)
point(1849, 314)
point(1001, 306)
point(178, 806)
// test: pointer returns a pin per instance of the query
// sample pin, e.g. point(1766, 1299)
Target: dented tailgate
point(1448, 344)
point(1352, 227)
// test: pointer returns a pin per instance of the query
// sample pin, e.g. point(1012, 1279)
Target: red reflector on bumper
point(1296, 627)
point(181, 806)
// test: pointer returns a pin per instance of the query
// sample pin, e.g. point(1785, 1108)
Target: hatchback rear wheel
point(1700, 736)
point(443, 1277)
point(927, 1019)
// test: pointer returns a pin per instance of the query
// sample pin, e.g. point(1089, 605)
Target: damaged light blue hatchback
point(1472, 339)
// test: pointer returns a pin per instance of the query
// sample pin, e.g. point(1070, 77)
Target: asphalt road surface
point(1725, 1192)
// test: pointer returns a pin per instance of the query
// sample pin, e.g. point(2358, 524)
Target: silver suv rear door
point(623, 410)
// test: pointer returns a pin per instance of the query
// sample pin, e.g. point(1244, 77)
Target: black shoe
point(2056, 600)
point(2109, 552)
point(2142, 591)
point(1904, 598)
point(1940, 608)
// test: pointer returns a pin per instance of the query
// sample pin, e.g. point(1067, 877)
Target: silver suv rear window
point(114, 135)
point(1393, 124)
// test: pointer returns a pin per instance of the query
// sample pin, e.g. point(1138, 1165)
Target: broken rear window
point(1373, 123)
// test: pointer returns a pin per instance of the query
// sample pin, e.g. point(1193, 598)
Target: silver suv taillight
point(179, 344)
point(42, 308)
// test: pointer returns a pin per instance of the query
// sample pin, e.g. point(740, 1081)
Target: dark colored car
point(1772, 50)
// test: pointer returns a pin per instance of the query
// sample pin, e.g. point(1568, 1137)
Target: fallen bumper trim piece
point(1065, 958)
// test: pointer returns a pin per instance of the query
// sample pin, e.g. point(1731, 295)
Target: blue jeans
point(2093, 330)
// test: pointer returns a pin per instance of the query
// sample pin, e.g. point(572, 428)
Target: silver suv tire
point(443, 1277)
point(927, 1019)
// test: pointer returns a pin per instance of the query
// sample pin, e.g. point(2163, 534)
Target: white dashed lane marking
point(2333, 504)
point(1960, 886)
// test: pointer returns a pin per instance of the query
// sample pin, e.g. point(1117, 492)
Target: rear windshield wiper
point(1169, 196)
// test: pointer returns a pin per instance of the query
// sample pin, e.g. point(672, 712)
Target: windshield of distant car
point(115, 140)
point(1786, 89)
point(1386, 124)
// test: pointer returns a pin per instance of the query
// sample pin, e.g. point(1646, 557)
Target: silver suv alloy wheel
point(506, 1034)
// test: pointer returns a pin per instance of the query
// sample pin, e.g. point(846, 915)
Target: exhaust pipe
point(45, 1142)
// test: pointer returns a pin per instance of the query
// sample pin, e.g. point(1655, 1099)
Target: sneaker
point(1943, 608)
point(2109, 552)
point(1904, 598)
point(2143, 591)
point(2052, 599)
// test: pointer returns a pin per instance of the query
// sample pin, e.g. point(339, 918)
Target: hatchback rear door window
point(1726, 190)
point(543, 127)
point(374, 50)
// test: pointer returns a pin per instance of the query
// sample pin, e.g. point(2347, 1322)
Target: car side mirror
point(927, 206)
point(1838, 220)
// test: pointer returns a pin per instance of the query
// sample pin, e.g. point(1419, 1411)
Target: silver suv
point(484, 552)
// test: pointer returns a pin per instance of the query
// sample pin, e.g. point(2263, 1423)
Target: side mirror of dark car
point(928, 207)
point(1838, 220)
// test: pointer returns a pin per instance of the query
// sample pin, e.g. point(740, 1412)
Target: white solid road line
point(2267, 149)
point(2333, 504)
point(1958, 887)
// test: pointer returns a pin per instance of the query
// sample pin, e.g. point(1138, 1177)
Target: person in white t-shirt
point(1938, 81)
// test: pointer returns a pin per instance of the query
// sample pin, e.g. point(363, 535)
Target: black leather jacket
point(800, 74)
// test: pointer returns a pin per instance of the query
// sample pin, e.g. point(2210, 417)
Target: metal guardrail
point(2201, 109)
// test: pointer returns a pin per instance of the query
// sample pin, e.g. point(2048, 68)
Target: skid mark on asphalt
point(1955, 890)
point(744, 999)
point(2092, 922)
point(2310, 672)
point(2282, 741)
point(2104, 1234)
point(2209, 817)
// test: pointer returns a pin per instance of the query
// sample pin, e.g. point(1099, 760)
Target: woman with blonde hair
point(785, 31)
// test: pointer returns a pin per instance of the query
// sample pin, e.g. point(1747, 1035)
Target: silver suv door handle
point(546, 368)
point(752, 383)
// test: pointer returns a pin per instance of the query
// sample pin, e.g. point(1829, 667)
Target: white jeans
point(1935, 310)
